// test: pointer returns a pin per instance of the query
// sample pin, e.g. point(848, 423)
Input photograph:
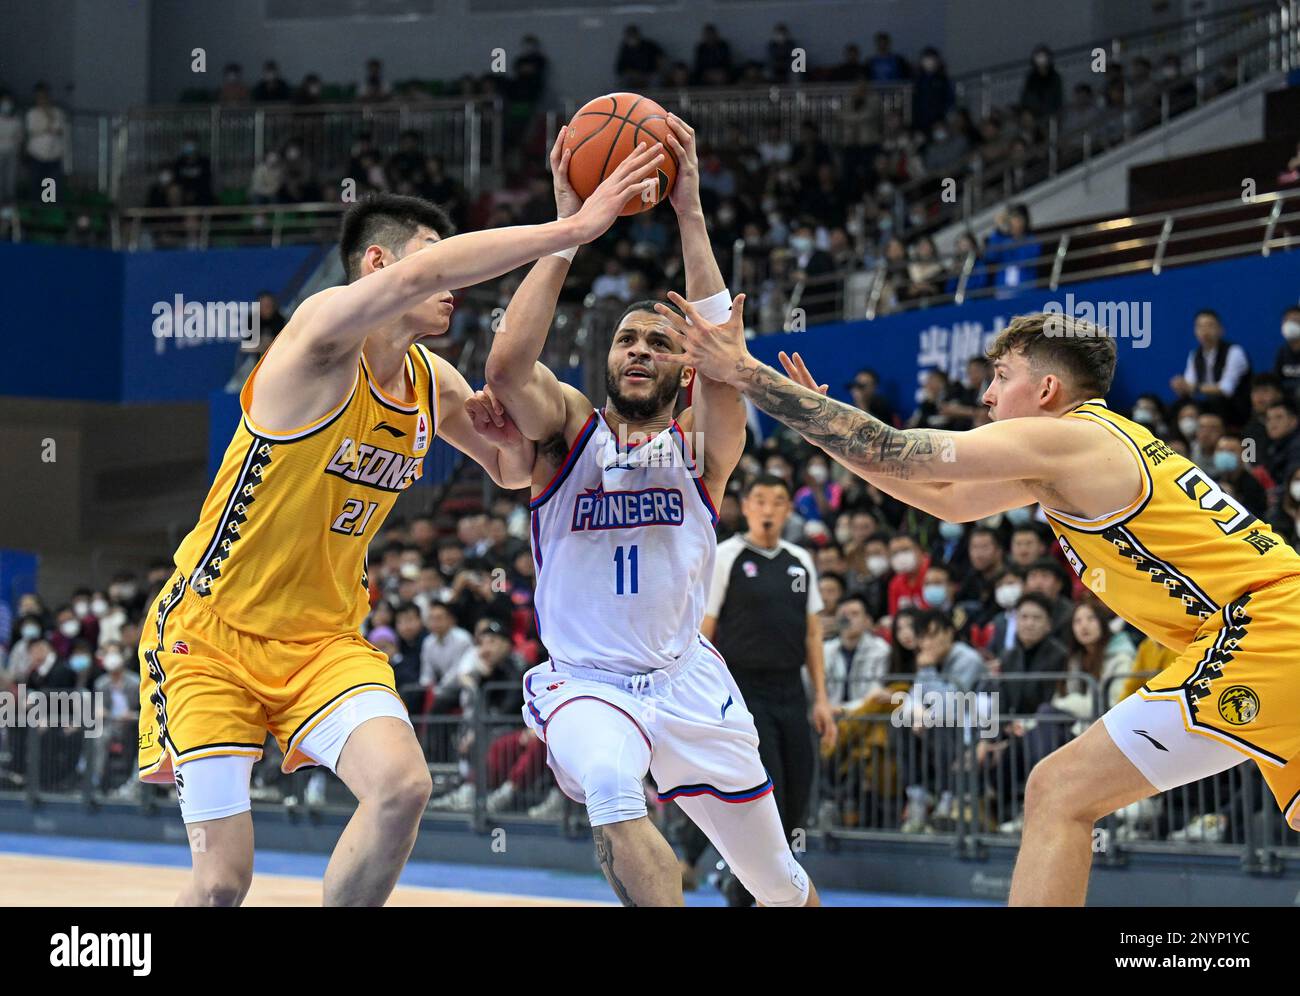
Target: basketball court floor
point(71, 871)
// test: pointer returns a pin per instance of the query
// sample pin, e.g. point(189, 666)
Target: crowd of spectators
point(909, 600)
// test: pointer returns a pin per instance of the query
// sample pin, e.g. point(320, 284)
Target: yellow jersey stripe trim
point(292, 435)
point(431, 365)
point(386, 399)
point(1104, 522)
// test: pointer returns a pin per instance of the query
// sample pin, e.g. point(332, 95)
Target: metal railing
point(892, 774)
point(119, 155)
point(789, 300)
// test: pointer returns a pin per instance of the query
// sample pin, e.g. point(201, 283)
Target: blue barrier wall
point(1249, 295)
point(78, 323)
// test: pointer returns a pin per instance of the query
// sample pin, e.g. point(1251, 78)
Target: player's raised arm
point(395, 287)
point(527, 389)
point(1026, 449)
point(954, 501)
point(475, 423)
point(717, 413)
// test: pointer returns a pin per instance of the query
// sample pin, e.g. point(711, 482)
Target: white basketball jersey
point(623, 546)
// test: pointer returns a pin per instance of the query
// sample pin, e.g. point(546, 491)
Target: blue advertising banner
point(1151, 316)
point(80, 323)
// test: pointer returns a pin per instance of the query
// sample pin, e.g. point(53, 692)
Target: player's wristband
point(716, 308)
point(567, 253)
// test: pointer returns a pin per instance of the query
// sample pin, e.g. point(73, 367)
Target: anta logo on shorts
point(374, 466)
point(180, 647)
point(600, 509)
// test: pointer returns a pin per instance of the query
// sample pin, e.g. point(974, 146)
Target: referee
point(762, 617)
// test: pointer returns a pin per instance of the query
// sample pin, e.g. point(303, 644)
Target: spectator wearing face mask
point(117, 694)
point(67, 629)
point(932, 93)
point(872, 583)
point(1287, 363)
point(1043, 92)
point(820, 498)
point(1148, 411)
point(1008, 586)
point(949, 549)
point(909, 566)
point(1230, 470)
point(271, 88)
point(28, 631)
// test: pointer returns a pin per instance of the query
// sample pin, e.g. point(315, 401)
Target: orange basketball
point(605, 131)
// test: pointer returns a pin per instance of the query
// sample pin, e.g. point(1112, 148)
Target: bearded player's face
point(638, 387)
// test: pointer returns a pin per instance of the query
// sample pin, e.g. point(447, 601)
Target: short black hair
point(387, 220)
point(646, 305)
point(1286, 403)
point(1209, 312)
point(856, 596)
point(767, 481)
point(927, 619)
point(1053, 568)
point(1039, 599)
point(405, 608)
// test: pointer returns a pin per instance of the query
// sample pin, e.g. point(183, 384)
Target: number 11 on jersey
point(625, 568)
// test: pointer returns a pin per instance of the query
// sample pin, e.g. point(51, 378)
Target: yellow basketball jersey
point(1180, 551)
point(280, 547)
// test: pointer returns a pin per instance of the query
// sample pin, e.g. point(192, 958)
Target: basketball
point(605, 131)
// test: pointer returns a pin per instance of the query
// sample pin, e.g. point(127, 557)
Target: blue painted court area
point(537, 882)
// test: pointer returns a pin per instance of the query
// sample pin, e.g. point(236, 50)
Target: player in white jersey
point(623, 540)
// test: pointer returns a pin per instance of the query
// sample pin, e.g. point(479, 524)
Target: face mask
point(114, 662)
point(1008, 595)
point(801, 244)
point(935, 595)
point(122, 592)
point(776, 470)
point(877, 565)
point(843, 533)
point(992, 521)
point(1019, 516)
point(70, 628)
point(940, 135)
point(950, 531)
point(31, 631)
point(1291, 330)
point(1144, 416)
point(79, 662)
point(1295, 490)
point(79, 609)
point(99, 607)
point(903, 562)
point(6, 107)
point(1187, 426)
point(1226, 463)
point(818, 473)
point(410, 572)
point(726, 217)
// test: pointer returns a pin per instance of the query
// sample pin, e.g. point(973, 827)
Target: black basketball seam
point(667, 149)
point(626, 121)
point(609, 116)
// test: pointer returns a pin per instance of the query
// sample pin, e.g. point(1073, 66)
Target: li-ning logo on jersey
point(600, 509)
point(421, 433)
point(374, 466)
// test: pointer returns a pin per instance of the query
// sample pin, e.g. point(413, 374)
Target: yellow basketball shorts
point(208, 689)
point(1238, 683)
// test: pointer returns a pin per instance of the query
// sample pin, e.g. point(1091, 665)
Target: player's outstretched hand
point(567, 201)
point(685, 194)
point(715, 351)
point(798, 371)
point(635, 176)
point(490, 420)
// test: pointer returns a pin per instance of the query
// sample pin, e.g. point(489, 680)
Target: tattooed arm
point(1033, 450)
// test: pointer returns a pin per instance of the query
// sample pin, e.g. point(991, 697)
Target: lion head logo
point(1238, 705)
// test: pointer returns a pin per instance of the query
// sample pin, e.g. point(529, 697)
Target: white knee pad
point(600, 759)
point(774, 880)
